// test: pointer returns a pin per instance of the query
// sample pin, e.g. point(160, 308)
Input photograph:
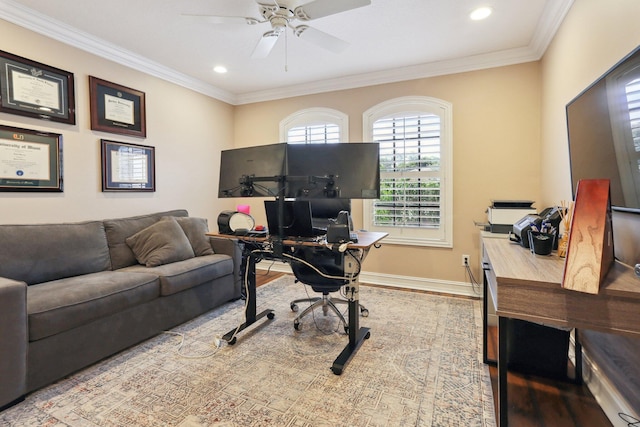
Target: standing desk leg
point(503, 405)
point(250, 304)
point(357, 335)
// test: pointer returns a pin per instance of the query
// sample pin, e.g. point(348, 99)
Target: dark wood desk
point(528, 287)
point(255, 250)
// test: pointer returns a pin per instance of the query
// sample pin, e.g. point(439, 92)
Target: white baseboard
point(607, 396)
point(405, 282)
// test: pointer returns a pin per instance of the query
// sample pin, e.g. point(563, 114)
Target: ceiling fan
point(281, 14)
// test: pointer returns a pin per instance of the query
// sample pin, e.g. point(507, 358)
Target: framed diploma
point(117, 109)
point(30, 160)
point(127, 167)
point(32, 89)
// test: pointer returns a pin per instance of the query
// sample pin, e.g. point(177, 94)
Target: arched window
point(416, 141)
point(315, 125)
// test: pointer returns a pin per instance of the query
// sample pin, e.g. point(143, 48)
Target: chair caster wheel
point(364, 312)
point(271, 315)
point(294, 307)
point(296, 325)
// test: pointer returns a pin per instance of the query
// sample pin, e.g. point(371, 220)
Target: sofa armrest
point(233, 248)
point(15, 340)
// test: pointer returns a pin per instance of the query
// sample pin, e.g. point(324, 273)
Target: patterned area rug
point(422, 366)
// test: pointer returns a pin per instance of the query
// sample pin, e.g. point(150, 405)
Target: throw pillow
point(161, 243)
point(196, 229)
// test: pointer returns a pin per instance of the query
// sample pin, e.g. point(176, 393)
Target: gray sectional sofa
point(72, 294)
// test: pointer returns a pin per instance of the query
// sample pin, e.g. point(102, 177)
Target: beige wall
point(498, 138)
point(187, 129)
point(496, 132)
point(594, 36)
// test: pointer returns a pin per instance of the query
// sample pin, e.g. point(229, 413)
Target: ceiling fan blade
point(320, 8)
point(265, 44)
point(214, 19)
point(320, 38)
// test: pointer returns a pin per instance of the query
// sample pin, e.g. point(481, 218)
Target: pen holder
point(541, 243)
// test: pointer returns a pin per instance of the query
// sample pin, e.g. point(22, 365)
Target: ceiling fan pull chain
point(286, 52)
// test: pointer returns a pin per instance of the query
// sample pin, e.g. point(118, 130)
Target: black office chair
point(329, 263)
point(323, 211)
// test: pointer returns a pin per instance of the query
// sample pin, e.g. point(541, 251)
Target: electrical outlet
point(465, 260)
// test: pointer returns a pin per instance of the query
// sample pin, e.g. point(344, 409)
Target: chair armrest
point(233, 248)
point(15, 340)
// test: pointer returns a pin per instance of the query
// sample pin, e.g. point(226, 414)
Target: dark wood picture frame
point(30, 160)
point(117, 109)
point(29, 88)
point(127, 167)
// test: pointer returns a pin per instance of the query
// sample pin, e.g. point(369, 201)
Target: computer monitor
point(245, 172)
point(343, 170)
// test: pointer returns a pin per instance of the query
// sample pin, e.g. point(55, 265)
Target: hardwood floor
point(533, 401)
point(541, 402)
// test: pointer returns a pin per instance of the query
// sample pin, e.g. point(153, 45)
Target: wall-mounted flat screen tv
point(603, 123)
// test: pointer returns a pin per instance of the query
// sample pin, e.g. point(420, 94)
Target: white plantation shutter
point(315, 125)
point(414, 134)
point(314, 134)
point(410, 171)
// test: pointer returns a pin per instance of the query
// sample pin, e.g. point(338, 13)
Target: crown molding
point(471, 63)
point(553, 15)
point(39, 23)
point(550, 21)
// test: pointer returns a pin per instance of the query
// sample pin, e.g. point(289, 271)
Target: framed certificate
point(32, 89)
point(117, 109)
point(30, 160)
point(127, 167)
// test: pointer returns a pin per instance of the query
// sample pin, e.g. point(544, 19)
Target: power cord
point(187, 356)
point(474, 283)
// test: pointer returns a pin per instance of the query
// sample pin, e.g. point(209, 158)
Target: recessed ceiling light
point(220, 69)
point(480, 13)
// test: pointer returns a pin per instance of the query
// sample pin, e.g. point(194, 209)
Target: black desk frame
point(357, 334)
point(501, 362)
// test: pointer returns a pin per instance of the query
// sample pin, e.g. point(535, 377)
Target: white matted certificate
point(24, 160)
point(119, 110)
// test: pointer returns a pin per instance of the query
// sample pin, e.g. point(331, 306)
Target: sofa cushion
point(178, 276)
point(196, 230)
point(161, 243)
point(42, 252)
point(117, 231)
point(61, 305)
